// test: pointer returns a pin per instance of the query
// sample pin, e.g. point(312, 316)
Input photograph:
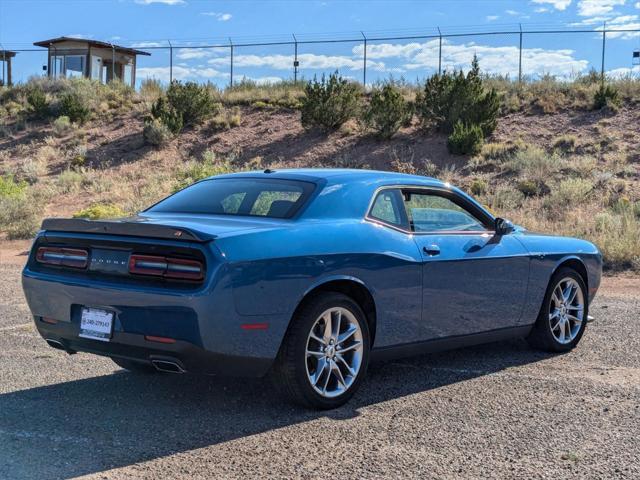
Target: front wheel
point(325, 353)
point(563, 317)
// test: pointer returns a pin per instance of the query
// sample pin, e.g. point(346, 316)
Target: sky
point(189, 23)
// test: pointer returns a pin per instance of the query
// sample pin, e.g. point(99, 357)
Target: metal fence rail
point(226, 62)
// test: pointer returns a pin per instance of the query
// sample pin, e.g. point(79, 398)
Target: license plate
point(96, 324)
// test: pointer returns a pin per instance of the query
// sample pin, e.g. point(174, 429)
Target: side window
point(388, 208)
point(275, 203)
point(433, 213)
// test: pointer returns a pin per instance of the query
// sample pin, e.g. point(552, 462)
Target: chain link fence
point(516, 53)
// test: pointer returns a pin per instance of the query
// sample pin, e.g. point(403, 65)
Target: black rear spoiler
point(129, 227)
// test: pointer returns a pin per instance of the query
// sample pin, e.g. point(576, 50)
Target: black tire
point(290, 369)
point(134, 366)
point(541, 336)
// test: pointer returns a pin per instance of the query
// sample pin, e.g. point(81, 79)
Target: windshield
point(257, 197)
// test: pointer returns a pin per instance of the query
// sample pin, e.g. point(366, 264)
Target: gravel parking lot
point(497, 411)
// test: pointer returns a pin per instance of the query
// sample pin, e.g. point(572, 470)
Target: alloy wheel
point(566, 310)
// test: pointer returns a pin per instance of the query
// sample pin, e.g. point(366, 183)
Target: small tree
point(606, 96)
point(452, 97)
point(37, 100)
point(329, 103)
point(387, 111)
point(193, 102)
point(465, 139)
point(74, 106)
point(162, 111)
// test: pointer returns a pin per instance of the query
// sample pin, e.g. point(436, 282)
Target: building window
point(57, 66)
point(74, 65)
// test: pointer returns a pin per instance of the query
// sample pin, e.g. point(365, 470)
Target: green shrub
point(38, 103)
point(478, 186)
point(74, 106)
point(19, 216)
point(193, 102)
point(465, 140)
point(69, 181)
point(532, 188)
point(100, 210)
point(387, 111)
point(450, 98)
point(606, 96)
point(164, 112)
point(329, 103)
point(156, 133)
point(62, 125)
point(534, 163)
point(565, 143)
point(9, 187)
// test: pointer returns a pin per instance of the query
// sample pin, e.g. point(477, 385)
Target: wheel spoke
point(317, 339)
point(353, 346)
point(311, 353)
point(575, 308)
point(338, 373)
point(555, 297)
point(562, 333)
point(574, 319)
point(572, 297)
point(327, 327)
point(347, 366)
point(335, 330)
point(346, 335)
point(320, 368)
point(326, 380)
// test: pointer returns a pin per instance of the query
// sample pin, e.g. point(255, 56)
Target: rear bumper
point(188, 356)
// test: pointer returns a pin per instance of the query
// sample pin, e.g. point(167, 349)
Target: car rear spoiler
point(128, 227)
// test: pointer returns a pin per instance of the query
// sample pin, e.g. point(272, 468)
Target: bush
point(455, 97)
point(532, 188)
point(387, 111)
point(465, 140)
point(9, 187)
point(19, 216)
point(156, 133)
point(62, 125)
point(193, 102)
point(329, 103)
point(38, 102)
point(606, 96)
point(98, 211)
point(164, 112)
point(565, 143)
point(478, 187)
point(73, 105)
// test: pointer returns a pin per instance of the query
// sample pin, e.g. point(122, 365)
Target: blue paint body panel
point(258, 270)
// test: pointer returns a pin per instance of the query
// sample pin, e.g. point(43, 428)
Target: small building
point(5, 66)
point(79, 57)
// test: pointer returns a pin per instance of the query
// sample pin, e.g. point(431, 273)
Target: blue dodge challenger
point(305, 274)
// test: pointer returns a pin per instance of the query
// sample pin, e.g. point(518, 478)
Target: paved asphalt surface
point(496, 411)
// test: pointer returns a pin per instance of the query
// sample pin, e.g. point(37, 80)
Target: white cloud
point(512, 12)
point(491, 18)
point(165, 2)
point(179, 73)
point(589, 8)
point(541, 10)
point(192, 53)
point(147, 44)
point(624, 72)
point(637, 5)
point(557, 4)
point(494, 60)
point(221, 17)
point(262, 80)
point(307, 60)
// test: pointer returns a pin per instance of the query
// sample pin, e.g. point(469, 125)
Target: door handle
point(431, 250)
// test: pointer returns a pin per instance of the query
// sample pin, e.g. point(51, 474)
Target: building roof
point(92, 43)
point(7, 54)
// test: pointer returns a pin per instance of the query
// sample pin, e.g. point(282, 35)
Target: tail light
point(166, 267)
point(65, 257)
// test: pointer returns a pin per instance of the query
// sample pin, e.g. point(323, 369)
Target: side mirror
point(503, 227)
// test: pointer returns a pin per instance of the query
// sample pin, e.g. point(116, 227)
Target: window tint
point(387, 208)
point(239, 196)
point(434, 213)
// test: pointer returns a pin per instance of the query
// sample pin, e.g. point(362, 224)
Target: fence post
point(604, 40)
point(113, 62)
point(364, 70)
point(440, 52)
point(295, 59)
point(4, 64)
point(170, 62)
point(231, 78)
point(520, 57)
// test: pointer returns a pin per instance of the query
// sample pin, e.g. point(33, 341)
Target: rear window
point(255, 197)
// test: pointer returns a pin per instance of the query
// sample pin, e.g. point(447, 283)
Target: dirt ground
point(494, 411)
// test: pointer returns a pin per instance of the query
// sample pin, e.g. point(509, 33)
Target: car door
point(473, 280)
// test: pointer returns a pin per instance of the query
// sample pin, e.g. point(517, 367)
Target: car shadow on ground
point(96, 424)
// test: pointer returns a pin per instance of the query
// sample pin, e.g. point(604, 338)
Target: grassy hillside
point(553, 163)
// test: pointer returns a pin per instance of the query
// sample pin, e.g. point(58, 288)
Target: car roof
point(340, 175)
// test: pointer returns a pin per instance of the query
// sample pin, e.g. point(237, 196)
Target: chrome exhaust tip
point(167, 366)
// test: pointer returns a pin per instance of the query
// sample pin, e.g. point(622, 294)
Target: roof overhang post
point(113, 62)
point(364, 65)
point(170, 61)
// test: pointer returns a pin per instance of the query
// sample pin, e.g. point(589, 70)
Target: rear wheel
point(325, 353)
point(563, 317)
point(134, 366)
